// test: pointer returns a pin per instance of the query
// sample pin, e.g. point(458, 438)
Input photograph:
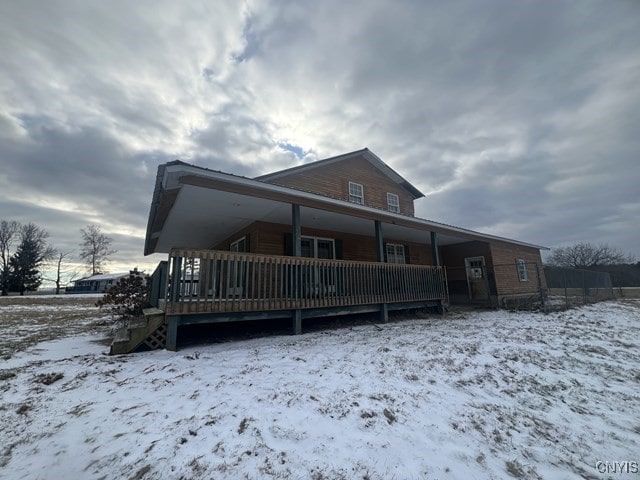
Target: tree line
point(25, 251)
point(623, 269)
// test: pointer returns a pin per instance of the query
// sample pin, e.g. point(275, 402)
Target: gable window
point(393, 202)
point(395, 253)
point(523, 274)
point(356, 193)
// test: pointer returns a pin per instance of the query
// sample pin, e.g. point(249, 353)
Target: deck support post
point(172, 333)
point(297, 322)
point(384, 313)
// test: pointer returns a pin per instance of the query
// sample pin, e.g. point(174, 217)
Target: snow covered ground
point(474, 395)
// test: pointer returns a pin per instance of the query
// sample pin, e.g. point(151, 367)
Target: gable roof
point(364, 153)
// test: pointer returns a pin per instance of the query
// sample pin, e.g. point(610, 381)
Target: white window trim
point(393, 257)
point(353, 196)
point(523, 273)
point(393, 202)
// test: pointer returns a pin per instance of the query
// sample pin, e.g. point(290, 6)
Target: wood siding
point(506, 271)
point(333, 181)
point(268, 239)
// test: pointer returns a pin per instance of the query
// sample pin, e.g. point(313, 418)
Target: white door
point(476, 278)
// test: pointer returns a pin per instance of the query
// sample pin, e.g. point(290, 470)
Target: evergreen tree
point(9, 231)
point(32, 252)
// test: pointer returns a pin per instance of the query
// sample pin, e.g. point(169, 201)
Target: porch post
point(384, 307)
point(436, 261)
point(297, 236)
point(297, 252)
point(434, 249)
point(379, 243)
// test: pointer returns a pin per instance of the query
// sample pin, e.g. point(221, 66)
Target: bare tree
point(59, 259)
point(9, 231)
point(586, 255)
point(96, 248)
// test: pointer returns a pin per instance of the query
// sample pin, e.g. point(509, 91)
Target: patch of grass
point(243, 425)
point(515, 469)
point(7, 374)
point(391, 418)
point(48, 378)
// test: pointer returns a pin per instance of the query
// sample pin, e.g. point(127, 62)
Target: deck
point(209, 286)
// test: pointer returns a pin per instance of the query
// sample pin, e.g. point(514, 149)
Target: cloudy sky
point(519, 119)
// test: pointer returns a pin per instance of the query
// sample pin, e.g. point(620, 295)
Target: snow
point(474, 395)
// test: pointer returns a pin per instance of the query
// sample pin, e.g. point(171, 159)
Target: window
point(523, 274)
point(239, 245)
point(314, 247)
point(395, 253)
point(393, 202)
point(475, 268)
point(356, 193)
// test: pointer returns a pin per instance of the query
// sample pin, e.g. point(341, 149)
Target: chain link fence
point(571, 286)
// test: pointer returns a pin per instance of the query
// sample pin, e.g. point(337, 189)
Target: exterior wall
point(452, 257)
point(500, 276)
point(333, 181)
point(506, 272)
point(268, 239)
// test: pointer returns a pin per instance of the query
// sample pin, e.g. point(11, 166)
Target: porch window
point(523, 274)
point(314, 247)
point(395, 253)
point(393, 202)
point(356, 193)
point(240, 245)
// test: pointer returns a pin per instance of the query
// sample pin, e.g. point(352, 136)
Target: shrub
point(128, 297)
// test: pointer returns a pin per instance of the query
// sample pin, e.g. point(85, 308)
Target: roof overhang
point(194, 207)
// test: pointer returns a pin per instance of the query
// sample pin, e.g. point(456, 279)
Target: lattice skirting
point(157, 339)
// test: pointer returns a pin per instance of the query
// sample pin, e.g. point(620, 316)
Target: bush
point(128, 297)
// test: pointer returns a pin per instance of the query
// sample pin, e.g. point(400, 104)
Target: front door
point(476, 278)
point(317, 281)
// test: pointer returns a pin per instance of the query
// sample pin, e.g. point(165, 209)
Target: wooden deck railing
point(203, 281)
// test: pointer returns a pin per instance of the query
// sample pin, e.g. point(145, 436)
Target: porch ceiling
point(194, 207)
point(202, 217)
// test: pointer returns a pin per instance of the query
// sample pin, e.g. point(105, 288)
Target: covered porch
point(235, 252)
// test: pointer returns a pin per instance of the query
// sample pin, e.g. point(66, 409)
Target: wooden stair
point(151, 330)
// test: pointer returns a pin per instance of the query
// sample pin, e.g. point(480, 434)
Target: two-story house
point(330, 237)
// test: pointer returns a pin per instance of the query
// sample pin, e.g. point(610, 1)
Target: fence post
point(566, 295)
point(540, 285)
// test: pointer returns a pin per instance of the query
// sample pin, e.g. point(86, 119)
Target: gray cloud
point(519, 119)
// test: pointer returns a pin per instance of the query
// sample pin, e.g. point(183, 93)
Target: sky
point(519, 119)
